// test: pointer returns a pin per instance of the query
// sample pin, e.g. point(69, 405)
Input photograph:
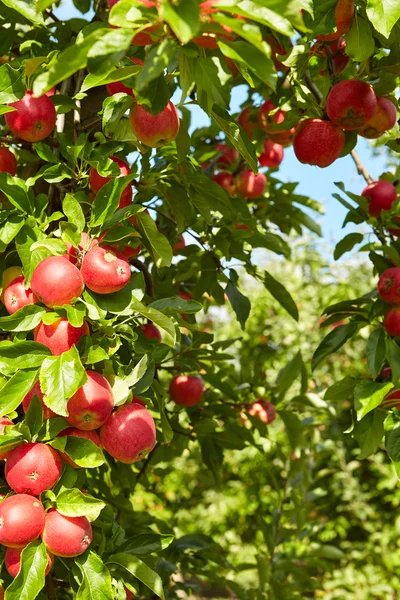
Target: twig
point(79, 80)
point(141, 266)
point(144, 467)
point(160, 212)
point(50, 588)
point(312, 87)
point(361, 169)
point(89, 125)
point(50, 13)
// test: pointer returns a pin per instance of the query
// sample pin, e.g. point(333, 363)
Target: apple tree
point(120, 221)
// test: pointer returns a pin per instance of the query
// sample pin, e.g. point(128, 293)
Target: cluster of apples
point(261, 409)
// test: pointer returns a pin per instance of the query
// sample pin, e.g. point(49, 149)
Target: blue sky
point(313, 181)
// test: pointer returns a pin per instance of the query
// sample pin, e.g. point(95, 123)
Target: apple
point(391, 321)
point(351, 104)
point(129, 434)
point(90, 407)
point(227, 154)
point(32, 468)
point(151, 332)
point(248, 120)
point(97, 181)
point(226, 181)
point(104, 270)
point(12, 561)
point(154, 130)
point(249, 185)
point(8, 277)
point(21, 520)
point(383, 119)
point(272, 155)
point(268, 119)
point(16, 295)
point(59, 336)
point(389, 285)
point(33, 119)
point(8, 162)
point(344, 13)
point(263, 410)
point(36, 391)
point(318, 142)
point(380, 195)
point(66, 536)
point(186, 390)
point(56, 281)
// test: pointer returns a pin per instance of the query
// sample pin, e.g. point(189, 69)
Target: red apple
point(12, 561)
point(351, 103)
point(228, 155)
point(36, 391)
point(248, 120)
point(105, 271)
point(66, 536)
point(21, 520)
point(129, 594)
point(92, 404)
point(32, 468)
point(318, 142)
point(154, 130)
point(16, 295)
point(56, 281)
point(8, 162)
point(250, 185)
point(389, 285)
point(118, 87)
point(59, 336)
point(383, 119)
point(97, 181)
point(380, 195)
point(263, 410)
point(129, 434)
point(391, 321)
point(226, 181)
point(186, 390)
point(344, 13)
point(268, 119)
point(33, 119)
point(272, 155)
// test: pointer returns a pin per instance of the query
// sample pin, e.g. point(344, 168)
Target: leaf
point(74, 503)
point(333, 341)
point(392, 441)
point(347, 244)
point(15, 389)
point(257, 11)
point(25, 319)
point(360, 44)
point(212, 455)
point(107, 199)
point(140, 570)
point(21, 355)
point(157, 60)
point(12, 85)
point(280, 293)
point(376, 351)
point(30, 579)
point(183, 17)
point(393, 356)
point(83, 452)
point(159, 319)
point(341, 390)
point(17, 193)
point(27, 8)
point(369, 395)
point(34, 416)
point(240, 303)
point(162, 399)
point(96, 582)
point(73, 211)
point(176, 304)
point(369, 433)
point(146, 543)
point(159, 244)
point(251, 58)
point(236, 135)
point(60, 377)
point(289, 373)
point(383, 15)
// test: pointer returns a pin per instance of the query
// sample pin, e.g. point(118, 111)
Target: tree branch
point(17, 141)
point(141, 266)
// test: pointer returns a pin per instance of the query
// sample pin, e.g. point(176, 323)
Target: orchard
point(180, 419)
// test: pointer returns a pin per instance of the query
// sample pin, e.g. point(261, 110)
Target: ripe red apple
point(226, 181)
point(129, 594)
point(277, 49)
point(32, 468)
point(36, 391)
point(248, 120)
point(16, 295)
point(380, 195)
point(285, 138)
point(3, 423)
point(179, 245)
point(268, 119)
point(392, 399)
point(56, 281)
point(351, 103)
point(185, 296)
point(92, 404)
point(272, 155)
point(186, 390)
point(96, 181)
point(344, 13)
point(79, 433)
point(118, 87)
point(318, 142)
point(227, 154)
point(384, 118)
point(105, 271)
point(389, 285)
point(263, 410)
point(13, 561)
point(59, 336)
point(249, 185)
point(8, 162)
point(154, 130)
point(391, 321)
point(33, 119)
point(21, 520)
point(66, 536)
point(129, 434)
point(151, 332)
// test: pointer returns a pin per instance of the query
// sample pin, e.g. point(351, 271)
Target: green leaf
point(280, 293)
point(360, 43)
point(159, 244)
point(25, 319)
point(30, 579)
point(341, 390)
point(250, 58)
point(12, 86)
point(157, 60)
point(376, 351)
point(34, 416)
point(289, 373)
point(27, 8)
point(240, 303)
point(176, 304)
point(347, 244)
point(107, 199)
point(15, 389)
point(146, 543)
point(96, 582)
point(73, 211)
point(383, 15)
point(21, 355)
point(369, 433)
point(258, 11)
point(159, 319)
point(236, 135)
point(83, 452)
point(183, 17)
point(17, 193)
point(74, 503)
point(392, 441)
point(60, 377)
point(94, 80)
point(369, 395)
point(162, 399)
point(393, 356)
point(140, 570)
point(333, 341)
